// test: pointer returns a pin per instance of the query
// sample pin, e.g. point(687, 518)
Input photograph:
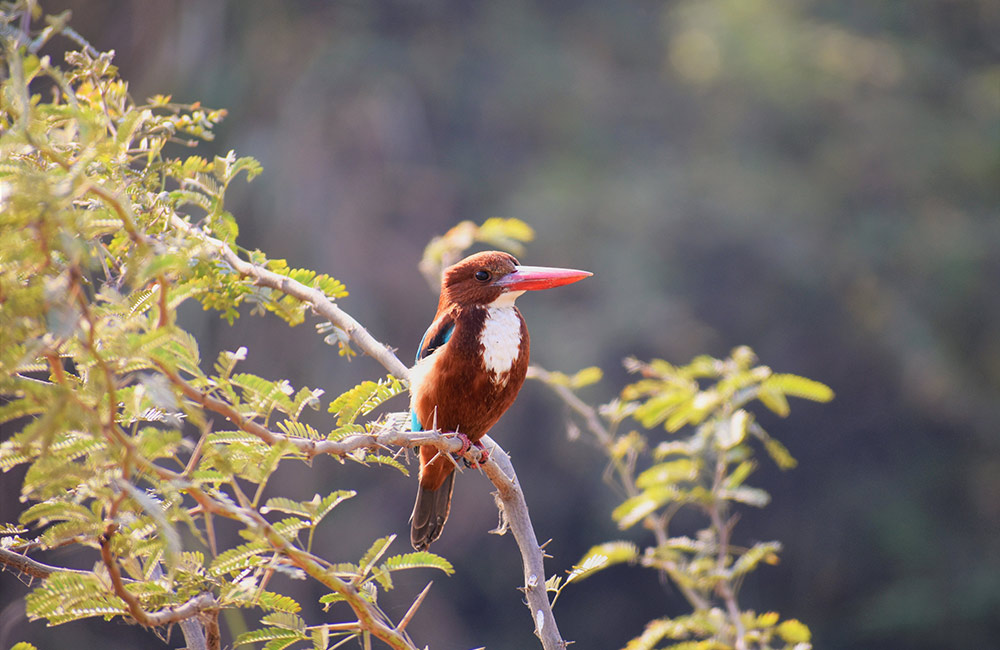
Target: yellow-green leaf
point(602, 556)
point(797, 386)
point(794, 631)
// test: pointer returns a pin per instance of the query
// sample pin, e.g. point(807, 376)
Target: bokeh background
point(818, 180)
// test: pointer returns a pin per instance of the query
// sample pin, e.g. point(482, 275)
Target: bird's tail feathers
point(430, 512)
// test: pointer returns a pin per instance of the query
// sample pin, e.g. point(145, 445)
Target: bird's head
point(494, 278)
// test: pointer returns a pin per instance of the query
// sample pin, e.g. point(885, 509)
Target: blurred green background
point(818, 180)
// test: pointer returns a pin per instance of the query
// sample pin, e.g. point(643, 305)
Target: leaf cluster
point(112, 411)
point(695, 452)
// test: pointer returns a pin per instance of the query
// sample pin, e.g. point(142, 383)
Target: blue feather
point(432, 341)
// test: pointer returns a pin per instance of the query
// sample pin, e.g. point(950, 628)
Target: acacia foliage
point(694, 451)
point(106, 232)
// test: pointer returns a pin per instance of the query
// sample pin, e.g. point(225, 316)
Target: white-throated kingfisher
point(471, 364)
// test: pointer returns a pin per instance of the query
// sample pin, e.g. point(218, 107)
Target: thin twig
point(625, 475)
point(723, 531)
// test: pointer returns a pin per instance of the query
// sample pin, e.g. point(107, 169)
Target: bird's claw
point(484, 454)
point(466, 444)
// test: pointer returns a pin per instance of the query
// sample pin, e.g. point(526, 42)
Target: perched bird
point(471, 363)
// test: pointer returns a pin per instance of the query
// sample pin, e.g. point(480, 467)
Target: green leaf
point(749, 495)
point(330, 598)
point(169, 264)
point(236, 559)
point(794, 631)
point(278, 602)
point(774, 400)
point(601, 557)
point(364, 398)
point(684, 469)
point(777, 451)
point(374, 552)
point(418, 560)
point(797, 386)
point(329, 502)
point(58, 510)
point(731, 432)
point(759, 552)
point(165, 531)
point(660, 406)
point(740, 474)
point(656, 631)
point(321, 637)
point(505, 233)
point(285, 620)
point(381, 459)
point(635, 509)
point(586, 377)
point(281, 644)
point(298, 430)
point(65, 597)
point(282, 504)
point(314, 510)
point(268, 634)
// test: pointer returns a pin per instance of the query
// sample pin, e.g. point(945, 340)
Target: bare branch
point(33, 568)
point(317, 299)
point(501, 472)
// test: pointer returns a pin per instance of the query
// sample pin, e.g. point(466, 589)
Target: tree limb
point(317, 299)
point(501, 472)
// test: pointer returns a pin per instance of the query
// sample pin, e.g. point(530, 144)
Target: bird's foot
point(466, 444)
point(484, 455)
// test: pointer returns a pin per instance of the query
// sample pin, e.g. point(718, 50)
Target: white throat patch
point(501, 339)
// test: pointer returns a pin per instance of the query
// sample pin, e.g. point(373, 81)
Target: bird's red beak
point(531, 278)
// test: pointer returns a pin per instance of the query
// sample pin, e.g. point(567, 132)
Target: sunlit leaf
point(797, 386)
point(601, 557)
point(418, 560)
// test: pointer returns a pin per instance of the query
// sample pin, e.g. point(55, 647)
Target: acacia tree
point(136, 450)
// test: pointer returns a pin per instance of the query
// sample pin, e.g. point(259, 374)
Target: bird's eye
point(483, 275)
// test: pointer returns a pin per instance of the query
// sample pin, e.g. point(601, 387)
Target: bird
point(469, 368)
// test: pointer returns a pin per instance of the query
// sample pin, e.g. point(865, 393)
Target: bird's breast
point(500, 341)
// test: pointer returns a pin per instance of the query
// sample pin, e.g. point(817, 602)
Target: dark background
point(818, 180)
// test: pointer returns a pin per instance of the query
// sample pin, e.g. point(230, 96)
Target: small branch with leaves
point(704, 469)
